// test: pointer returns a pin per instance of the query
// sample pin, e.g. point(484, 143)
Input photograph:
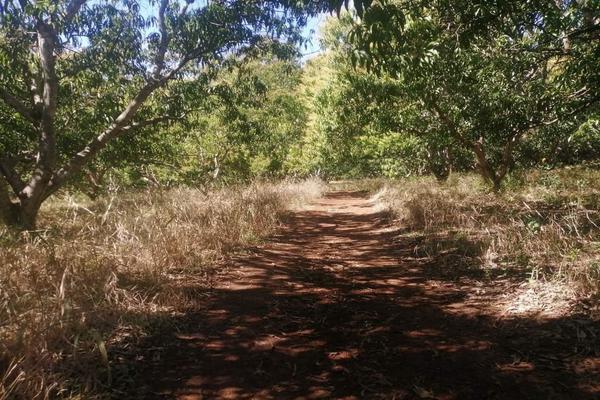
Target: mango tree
point(491, 74)
point(250, 119)
point(77, 75)
point(375, 127)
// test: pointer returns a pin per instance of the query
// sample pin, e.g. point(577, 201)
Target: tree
point(367, 125)
point(491, 74)
point(251, 120)
point(76, 75)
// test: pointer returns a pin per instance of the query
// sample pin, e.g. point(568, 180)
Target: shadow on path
point(339, 306)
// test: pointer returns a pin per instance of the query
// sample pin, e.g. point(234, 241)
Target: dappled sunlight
point(336, 306)
point(547, 300)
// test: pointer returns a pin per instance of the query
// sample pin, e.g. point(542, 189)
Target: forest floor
point(337, 305)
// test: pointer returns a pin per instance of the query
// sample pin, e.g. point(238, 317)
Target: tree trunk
point(484, 168)
point(8, 210)
point(28, 212)
point(21, 214)
point(439, 163)
point(24, 216)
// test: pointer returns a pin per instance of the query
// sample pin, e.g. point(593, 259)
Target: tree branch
point(72, 10)
point(159, 61)
point(8, 171)
point(450, 125)
point(118, 126)
point(34, 94)
point(152, 121)
point(98, 143)
point(17, 105)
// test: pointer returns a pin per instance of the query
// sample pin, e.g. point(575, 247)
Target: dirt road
point(339, 305)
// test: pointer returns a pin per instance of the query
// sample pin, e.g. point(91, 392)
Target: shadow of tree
point(340, 305)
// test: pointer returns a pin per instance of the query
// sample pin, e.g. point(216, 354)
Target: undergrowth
point(106, 269)
point(543, 225)
point(362, 185)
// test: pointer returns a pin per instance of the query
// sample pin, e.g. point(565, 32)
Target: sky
point(311, 31)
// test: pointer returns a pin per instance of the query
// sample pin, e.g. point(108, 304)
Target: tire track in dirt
point(337, 305)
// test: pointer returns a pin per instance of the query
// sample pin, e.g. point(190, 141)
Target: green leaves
point(105, 55)
point(468, 75)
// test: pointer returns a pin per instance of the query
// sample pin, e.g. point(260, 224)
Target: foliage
point(76, 76)
point(367, 127)
point(252, 119)
point(530, 68)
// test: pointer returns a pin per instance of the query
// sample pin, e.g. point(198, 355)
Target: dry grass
point(367, 184)
point(108, 267)
point(545, 224)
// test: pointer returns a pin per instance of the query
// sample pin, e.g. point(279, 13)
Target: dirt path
point(338, 306)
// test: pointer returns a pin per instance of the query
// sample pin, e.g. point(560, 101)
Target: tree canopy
point(490, 73)
point(76, 75)
point(186, 92)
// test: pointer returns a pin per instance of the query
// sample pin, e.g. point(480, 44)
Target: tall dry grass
point(545, 223)
point(102, 270)
point(362, 185)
